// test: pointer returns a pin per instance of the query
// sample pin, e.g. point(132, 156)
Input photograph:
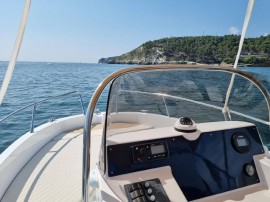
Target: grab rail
point(34, 105)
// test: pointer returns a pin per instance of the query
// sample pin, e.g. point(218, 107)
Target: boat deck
point(55, 172)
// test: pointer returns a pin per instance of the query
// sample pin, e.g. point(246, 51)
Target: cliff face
point(143, 55)
point(203, 49)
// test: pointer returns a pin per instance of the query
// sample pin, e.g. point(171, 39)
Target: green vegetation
point(200, 49)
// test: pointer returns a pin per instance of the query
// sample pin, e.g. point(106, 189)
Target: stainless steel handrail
point(102, 85)
point(196, 102)
point(34, 105)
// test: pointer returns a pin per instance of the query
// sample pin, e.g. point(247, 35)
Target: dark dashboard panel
point(214, 163)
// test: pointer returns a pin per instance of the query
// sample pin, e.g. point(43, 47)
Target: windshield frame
point(110, 80)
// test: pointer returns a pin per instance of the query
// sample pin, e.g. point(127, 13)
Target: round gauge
point(144, 152)
point(249, 169)
point(241, 142)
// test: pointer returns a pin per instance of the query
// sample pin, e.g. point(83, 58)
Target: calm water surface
point(32, 82)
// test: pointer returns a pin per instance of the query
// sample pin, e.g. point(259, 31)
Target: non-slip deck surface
point(54, 173)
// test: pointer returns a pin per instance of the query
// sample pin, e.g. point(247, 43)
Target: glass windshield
point(198, 94)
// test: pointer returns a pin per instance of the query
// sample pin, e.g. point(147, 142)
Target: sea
point(35, 81)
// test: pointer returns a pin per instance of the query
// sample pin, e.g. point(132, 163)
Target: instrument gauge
point(241, 142)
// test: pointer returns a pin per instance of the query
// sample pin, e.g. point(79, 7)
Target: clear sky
point(86, 30)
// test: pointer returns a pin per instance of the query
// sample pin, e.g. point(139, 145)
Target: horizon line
point(50, 62)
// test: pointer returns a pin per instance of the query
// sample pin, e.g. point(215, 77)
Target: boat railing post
point(226, 113)
point(166, 106)
point(83, 111)
point(33, 119)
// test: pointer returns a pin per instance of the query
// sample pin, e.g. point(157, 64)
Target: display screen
point(157, 149)
point(242, 142)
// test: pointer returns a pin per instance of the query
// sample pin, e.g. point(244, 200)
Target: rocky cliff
point(201, 49)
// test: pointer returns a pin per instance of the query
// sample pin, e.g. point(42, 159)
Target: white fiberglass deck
point(54, 173)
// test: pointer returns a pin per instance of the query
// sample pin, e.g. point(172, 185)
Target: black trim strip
point(185, 131)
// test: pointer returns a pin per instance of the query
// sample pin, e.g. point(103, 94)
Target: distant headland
point(198, 49)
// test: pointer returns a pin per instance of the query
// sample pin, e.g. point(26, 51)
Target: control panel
point(214, 163)
point(148, 152)
point(146, 191)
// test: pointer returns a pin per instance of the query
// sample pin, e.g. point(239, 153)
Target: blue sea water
point(34, 81)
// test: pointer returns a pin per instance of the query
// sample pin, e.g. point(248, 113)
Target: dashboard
point(215, 162)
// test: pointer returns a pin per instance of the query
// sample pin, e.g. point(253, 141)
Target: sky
point(87, 30)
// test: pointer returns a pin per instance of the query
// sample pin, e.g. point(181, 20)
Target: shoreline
point(191, 63)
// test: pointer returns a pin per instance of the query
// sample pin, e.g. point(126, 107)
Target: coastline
point(186, 62)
